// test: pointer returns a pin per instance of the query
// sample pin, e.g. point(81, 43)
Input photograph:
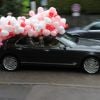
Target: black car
point(62, 50)
point(89, 31)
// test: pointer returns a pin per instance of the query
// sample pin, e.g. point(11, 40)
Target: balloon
point(30, 33)
point(44, 23)
point(31, 13)
point(50, 27)
point(4, 33)
point(63, 20)
point(54, 33)
point(40, 9)
point(19, 30)
point(1, 43)
point(46, 32)
point(52, 12)
point(47, 20)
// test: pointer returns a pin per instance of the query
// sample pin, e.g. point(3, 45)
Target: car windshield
point(66, 41)
point(92, 26)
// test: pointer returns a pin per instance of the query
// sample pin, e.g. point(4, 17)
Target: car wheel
point(91, 65)
point(10, 63)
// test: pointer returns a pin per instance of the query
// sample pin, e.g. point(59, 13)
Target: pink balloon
point(54, 33)
point(40, 9)
point(50, 27)
point(44, 23)
point(35, 34)
point(1, 43)
point(52, 12)
point(31, 13)
point(46, 32)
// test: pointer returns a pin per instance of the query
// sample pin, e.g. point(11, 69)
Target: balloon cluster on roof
point(42, 23)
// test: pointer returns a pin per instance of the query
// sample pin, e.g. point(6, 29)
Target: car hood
point(88, 42)
point(87, 45)
point(85, 48)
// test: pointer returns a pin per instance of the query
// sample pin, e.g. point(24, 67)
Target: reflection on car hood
point(75, 30)
point(86, 48)
point(87, 45)
point(88, 42)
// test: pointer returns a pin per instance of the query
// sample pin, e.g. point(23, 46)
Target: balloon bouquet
point(42, 23)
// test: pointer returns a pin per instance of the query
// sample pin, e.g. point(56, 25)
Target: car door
point(56, 53)
point(31, 51)
point(28, 52)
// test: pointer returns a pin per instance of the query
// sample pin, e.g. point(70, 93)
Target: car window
point(49, 41)
point(22, 41)
point(28, 41)
point(95, 27)
point(52, 43)
point(12, 40)
point(37, 42)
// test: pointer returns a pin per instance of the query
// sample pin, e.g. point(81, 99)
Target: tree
point(13, 6)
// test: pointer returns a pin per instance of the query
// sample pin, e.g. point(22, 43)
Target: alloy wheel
point(91, 65)
point(10, 63)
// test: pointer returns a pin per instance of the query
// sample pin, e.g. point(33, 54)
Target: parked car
point(90, 31)
point(62, 50)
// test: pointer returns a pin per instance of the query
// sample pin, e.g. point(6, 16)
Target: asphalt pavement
point(49, 84)
point(48, 92)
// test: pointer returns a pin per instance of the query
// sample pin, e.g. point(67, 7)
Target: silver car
point(90, 31)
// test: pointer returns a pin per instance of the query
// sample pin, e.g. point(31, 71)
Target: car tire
point(91, 65)
point(10, 63)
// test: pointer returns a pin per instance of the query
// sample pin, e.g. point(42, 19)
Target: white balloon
point(56, 24)
point(63, 20)
point(38, 27)
point(30, 33)
point(62, 32)
point(4, 33)
point(60, 28)
point(9, 28)
point(19, 30)
point(47, 20)
point(40, 9)
point(27, 21)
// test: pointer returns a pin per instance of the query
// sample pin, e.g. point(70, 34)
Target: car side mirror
point(62, 47)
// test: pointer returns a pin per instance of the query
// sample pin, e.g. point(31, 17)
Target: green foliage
point(87, 6)
point(26, 6)
point(13, 6)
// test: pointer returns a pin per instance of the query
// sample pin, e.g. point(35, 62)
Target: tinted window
point(95, 27)
point(23, 41)
point(12, 40)
point(49, 41)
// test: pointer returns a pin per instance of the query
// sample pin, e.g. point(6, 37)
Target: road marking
point(50, 84)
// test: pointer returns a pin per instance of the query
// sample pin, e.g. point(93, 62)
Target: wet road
point(50, 76)
point(49, 84)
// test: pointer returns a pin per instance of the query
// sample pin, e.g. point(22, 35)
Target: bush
point(13, 6)
point(87, 6)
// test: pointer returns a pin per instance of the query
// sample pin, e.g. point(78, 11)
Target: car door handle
point(19, 48)
point(46, 50)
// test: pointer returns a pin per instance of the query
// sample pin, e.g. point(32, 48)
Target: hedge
point(13, 6)
point(64, 6)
